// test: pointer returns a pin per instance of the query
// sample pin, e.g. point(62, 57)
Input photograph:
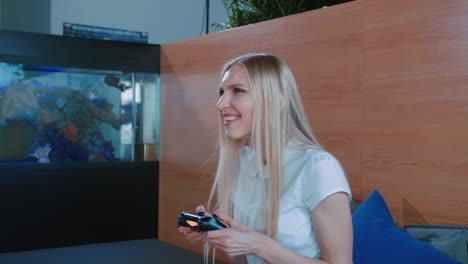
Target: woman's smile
point(229, 119)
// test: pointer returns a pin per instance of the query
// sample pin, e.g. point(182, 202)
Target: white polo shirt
point(309, 176)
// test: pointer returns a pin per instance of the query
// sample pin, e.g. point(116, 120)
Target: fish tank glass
point(70, 115)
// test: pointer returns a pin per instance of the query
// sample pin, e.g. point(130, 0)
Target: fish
point(119, 83)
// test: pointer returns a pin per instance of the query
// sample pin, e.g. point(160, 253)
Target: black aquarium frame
point(53, 205)
point(35, 49)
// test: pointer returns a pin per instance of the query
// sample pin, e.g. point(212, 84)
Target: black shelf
point(52, 205)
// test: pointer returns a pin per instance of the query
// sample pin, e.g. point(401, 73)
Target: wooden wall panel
point(328, 67)
point(415, 140)
point(187, 139)
point(327, 63)
point(385, 87)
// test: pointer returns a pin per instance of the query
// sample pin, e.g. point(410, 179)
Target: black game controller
point(200, 222)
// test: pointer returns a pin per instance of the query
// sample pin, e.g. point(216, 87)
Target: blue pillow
point(378, 240)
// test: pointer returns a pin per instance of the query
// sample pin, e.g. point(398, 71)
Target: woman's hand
point(193, 236)
point(235, 240)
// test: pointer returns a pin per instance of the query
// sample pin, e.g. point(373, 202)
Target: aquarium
point(79, 137)
point(70, 115)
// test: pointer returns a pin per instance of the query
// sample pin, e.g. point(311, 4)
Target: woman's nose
point(223, 102)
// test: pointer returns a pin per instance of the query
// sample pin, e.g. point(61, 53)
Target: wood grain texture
point(385, 86)
point(416, 109)
point(327, 64)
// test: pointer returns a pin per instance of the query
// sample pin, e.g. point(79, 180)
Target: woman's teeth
point(230, 118)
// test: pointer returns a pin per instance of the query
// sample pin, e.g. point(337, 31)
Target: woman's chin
point(237, 136)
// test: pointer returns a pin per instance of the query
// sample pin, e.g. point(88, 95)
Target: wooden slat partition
point(415, 138)
point(385, 87)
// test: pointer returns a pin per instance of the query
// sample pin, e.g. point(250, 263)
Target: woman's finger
point(185, 230)
point(228, 220)
point(195, 237)
point(201, 208)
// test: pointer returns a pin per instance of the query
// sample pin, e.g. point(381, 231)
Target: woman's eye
point(237, 90)
point(220, 92)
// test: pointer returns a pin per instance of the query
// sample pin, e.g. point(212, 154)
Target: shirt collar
point(292, 151)
point(247, 156)
point(249, 162)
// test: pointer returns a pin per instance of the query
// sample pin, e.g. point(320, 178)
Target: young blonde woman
point(285, 199)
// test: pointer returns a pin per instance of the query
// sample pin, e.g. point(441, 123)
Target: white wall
point(25, 15)
point(164, 20)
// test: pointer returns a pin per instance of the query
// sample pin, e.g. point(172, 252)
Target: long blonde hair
point(279, 116)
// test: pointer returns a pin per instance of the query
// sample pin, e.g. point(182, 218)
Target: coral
point(70, 132)
point(42, 154)
point(49, 124)
point(63, 149)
